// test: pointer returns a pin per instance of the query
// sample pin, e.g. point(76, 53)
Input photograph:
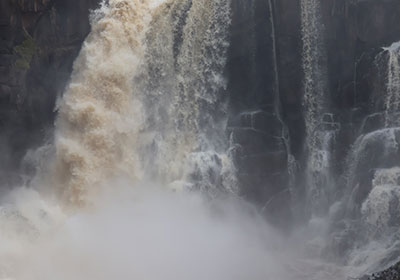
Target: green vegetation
point(25, 52)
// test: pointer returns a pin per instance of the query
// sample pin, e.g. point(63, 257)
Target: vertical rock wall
point(39, 41)
point(355, 32)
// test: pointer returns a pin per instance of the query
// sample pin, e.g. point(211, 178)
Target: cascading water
point(320, 126)
point(392, 103)
point(371, 200)
point(367, 215)
point(367, 218)
point(100, 115)
point(146, 103)
point(341, 230)
point(186, 104)
point(141, 106)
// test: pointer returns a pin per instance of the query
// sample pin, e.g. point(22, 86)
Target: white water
point(392, 102)
point(380, 208)
point(142, 115)
point(185, 102)
point(320, 133)
point(378, 227)
point(368, 213)
point(359, 232)
point(139, 117)
point(91, 213)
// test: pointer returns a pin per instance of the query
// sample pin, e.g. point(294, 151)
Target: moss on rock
point(25, 52)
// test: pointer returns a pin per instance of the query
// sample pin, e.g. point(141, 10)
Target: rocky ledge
point(392, 273)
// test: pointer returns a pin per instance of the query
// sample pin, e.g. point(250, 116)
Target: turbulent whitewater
point(129, 125)
point(112, 119)
point(99, 115)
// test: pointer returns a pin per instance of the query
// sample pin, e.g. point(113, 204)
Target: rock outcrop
point(392, 273)
point(266, 79)
point(39, 40)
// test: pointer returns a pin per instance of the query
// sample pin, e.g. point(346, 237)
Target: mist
point(141, 232)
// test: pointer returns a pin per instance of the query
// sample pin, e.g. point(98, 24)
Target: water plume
point(88, 213)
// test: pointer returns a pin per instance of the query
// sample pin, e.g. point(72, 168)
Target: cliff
point(266, 84)
point(39, 41)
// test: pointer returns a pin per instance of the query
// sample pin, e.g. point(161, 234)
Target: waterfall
point(117, 111)
point(320, 125)
point(185, 97)
point(146, 106)
point(392, 102)
point(369, 206)
point(366, 218)
point(99, 117)
point(138, 182)
point(381, 145)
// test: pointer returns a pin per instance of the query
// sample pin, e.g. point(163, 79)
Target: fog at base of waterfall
point(148, 232)
point(141, 232)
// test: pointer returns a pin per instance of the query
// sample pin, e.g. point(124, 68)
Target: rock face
point(39, 41)
point(256, 125)
point(392, 273)
point(266, 79)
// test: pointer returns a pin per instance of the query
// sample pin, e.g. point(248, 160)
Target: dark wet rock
point(374, 151)
point(355, 32)
point(392, 273)
point(39, 41)
point(372, 122)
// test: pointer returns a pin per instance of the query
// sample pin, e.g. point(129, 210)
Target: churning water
point(140, 107)
point(142, 116)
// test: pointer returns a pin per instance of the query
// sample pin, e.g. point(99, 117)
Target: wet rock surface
point(39, 41)
point(392, 273)
point(269, 33)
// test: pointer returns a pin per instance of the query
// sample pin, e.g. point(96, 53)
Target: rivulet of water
point(320, 125)
point(392, 102)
